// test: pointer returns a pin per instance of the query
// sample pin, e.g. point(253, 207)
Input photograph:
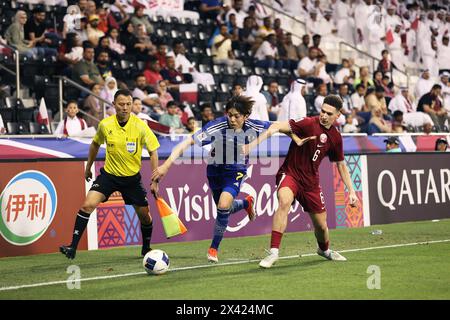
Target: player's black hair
point(242, 104)
point(123, 92)
point(334, 101)
point(436, 86)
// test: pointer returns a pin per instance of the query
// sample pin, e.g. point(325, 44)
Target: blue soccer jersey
point(226, 151)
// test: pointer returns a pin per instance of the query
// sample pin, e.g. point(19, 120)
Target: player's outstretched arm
point(345, 175)
point(93, 151)
point(161, 171)
point(278, 126)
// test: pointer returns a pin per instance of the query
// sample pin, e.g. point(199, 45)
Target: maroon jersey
point(302, 163)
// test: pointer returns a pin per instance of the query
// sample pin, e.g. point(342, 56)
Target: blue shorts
point(221, 180)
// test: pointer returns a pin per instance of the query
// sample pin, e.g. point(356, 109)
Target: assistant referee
point(124, 135)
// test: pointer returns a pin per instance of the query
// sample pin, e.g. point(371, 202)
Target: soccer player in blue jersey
point(227, 167)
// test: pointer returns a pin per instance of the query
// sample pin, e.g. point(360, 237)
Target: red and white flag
point(42, 117)
point(389, 36)
point(189, 93)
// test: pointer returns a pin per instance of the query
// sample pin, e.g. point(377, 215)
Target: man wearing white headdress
point(423, 85)
point(260, 107)
point(345, 22)
point(293, 105)
point(362, 12)
point(396, 49)
point(376, 33)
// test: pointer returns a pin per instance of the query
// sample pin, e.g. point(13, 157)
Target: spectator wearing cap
point(443, 56)
point(423, 85)
point(441, 145)
point(431, 104)
point(94, 33)
point(392, 144)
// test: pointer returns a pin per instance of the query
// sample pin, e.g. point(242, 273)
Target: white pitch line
point(42, 284)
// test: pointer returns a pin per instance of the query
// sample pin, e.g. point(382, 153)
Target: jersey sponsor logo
point(323, 138)
point(27, 207)
point(131, 146)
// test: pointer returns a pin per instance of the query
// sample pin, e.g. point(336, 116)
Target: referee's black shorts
point(130, 187)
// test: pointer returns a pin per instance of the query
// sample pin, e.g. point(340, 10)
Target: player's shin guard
point(80, 225)
point(220, 227)
point(146, 235)
point(238, 205)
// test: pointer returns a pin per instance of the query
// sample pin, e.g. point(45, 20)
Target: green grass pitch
point(406, 272)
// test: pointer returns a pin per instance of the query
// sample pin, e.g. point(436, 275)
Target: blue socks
point(220, 227)
point(238, 205)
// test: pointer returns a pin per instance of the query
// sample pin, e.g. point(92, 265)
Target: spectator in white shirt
point(443, 57)
point(322, 92)
point(238, 12)
point(358, 97)
point(423, 85)
point(267, 54)
point(308, 69)
point(72, 125)
point(343, 74)
point(185, 66)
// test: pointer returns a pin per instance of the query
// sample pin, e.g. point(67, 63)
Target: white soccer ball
point(156, 262)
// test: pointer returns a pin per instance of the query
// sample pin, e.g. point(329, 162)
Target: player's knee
point(284, 205)
point(222, 206)
point(88, 207)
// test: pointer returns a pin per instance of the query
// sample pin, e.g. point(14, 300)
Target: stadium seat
point(25, 114)
point(8, 114)
point(12, 127)
point(36, 128)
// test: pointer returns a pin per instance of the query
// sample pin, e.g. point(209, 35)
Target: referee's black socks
point(146, 234)
point(80, 224)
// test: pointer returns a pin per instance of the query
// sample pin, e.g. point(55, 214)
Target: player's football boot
point(251, 208)
point(212, 255)
point(331, 255)
point(69, 252)
point(268, 261)
point(145, 250)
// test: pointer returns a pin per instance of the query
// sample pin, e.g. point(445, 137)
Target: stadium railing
point(17, 72)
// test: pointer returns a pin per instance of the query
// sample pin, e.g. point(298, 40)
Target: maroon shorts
point(312, 201)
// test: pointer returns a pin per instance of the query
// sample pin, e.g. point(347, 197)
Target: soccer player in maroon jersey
point(298, 177)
